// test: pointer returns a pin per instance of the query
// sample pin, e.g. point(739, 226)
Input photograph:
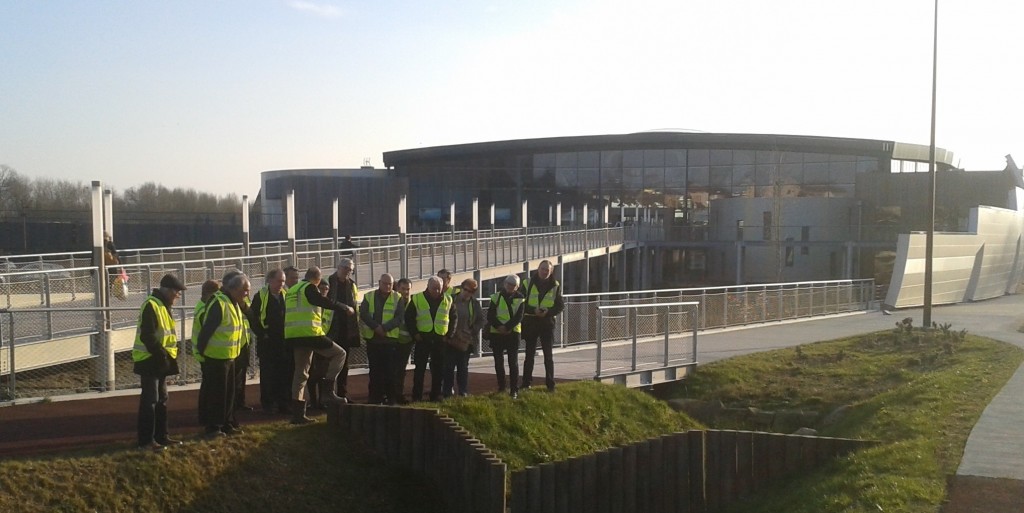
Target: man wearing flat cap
point(155, 354)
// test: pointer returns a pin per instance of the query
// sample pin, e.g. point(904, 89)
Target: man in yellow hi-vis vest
point(428, 316)
point(155, 354)
point(543, 302)
point(504, 319)
point(382, 313)
point(304, 333)
point(219, 343)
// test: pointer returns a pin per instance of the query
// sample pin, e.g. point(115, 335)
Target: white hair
point(513, 279)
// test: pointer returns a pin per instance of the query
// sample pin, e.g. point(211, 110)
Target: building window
point(805, 235)
point(739, 230)
point(767, 231)
point(789, 252)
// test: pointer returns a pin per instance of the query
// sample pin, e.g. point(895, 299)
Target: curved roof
point(660, 139)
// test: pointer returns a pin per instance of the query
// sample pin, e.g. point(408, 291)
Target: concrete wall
point(983, 263)
point(829, 219)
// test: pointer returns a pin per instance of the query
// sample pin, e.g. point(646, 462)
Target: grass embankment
point(272, 467)
point(578, 419)
point(918, 393)
point(279, 467)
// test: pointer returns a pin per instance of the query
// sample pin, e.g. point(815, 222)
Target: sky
point(208, 94)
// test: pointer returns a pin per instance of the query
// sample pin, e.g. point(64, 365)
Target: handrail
point(632, 322)
point(727, 288)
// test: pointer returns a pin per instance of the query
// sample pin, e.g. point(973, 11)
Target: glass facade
point(681, 183)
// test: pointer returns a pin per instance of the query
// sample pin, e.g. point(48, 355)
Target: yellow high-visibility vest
point(532, 299)
point(503, 314)
point(390, 306)
point(226, 341)
point(164, 331)
point(198, 317)
point(424, 323)
point(301, 319)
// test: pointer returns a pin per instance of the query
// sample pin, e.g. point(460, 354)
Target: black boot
point(328, 392)
point(299, 413)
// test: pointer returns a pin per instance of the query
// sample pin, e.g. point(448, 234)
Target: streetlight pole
point(929, 248)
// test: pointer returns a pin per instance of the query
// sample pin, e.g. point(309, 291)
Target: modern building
point(713, 208)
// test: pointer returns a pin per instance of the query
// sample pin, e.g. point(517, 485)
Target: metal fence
point(664, 347)
point(55, 325)
point(720, 307)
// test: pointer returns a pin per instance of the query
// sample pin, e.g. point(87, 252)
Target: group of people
point(304, 329)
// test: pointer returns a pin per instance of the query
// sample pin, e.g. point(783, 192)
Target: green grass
point(578, 419)
point(272, 467)
point(920, 394)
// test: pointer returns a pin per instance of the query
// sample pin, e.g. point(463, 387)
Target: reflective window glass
point(765, 174)
point(589, 179)
point(632, 158)
point(611, 178)
point(721, 176)
point(791, 173)
point(654, 158)
point(633, 178)
point(842, 171)
point(675, 158)
point(589, 159)
point(544, 160)
point(698, 157)
point(697, 176)
point(566, 178)
point(767, 157)
point(743, 157)
point(816, 173)
point(675, 177)
point(791, 157)
point(566, 159)
point(654, 178)
point(742, 175)
point(867, 165)
point(721, 157)
point(612, 159)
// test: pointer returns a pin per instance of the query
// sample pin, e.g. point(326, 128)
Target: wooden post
point(576, 486)
point(667, 486)
point(589, 482)
point(616, 465)
point(697, 476)
point(744, 463)
point(629, 502)
point(655, 474)
point(519, 491)
point(563, 485)
point(533, 494)
point(547, 487)
point(727, 461)
point(603, 482)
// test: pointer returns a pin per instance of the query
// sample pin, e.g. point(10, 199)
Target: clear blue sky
point(207, 94)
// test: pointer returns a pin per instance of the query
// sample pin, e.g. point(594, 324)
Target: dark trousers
point(219, 400)
point(506, 346)
point(241, 369)
point(534, 329)
point(380, 354)
point(456, 371)
point(275, 373)
point(430, 348)
point(152, 409)
point(401, 359)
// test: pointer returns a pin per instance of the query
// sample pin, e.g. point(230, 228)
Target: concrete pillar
point(334, 224)
point(402, 237)
point(245, 226)
point(103, 377)
point(289, 220)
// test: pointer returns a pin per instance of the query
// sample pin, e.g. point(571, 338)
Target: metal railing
point(723, 307)
point(670, 319)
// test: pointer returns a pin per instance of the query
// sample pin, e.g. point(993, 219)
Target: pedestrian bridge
point(62, 333)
